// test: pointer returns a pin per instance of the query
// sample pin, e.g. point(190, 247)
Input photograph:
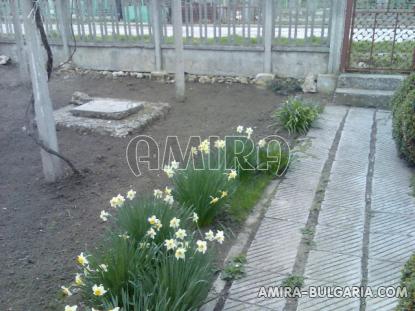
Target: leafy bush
point(296, 116)
point(408, 281)
point(403, 114)
point(202, 189)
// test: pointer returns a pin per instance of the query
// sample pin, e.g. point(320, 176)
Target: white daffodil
point(204, 146)
point(131, 194)
point(201, 246)
point(81, 259)
point(104, 267)
point(66, 291)
point(180, 253)
point(158, 194)
point(249, 131)
point(181, 234)
point(169, 199)
point(151, 233)
point(262, 143)
point(124, 236)
point(117, 201)
point(174, 223)
point(195, 217)
point(167, 191)
point(104, 215)
point(152, 220)
point(98, 290)
point(174, 165)
point(71, 308)
point(219, 237)
point(232, 174)
point(210, 236)
point(158, 225)
point(170, 244)
point(240, 129)
point(193, 150)
point(220, 144)
point(78, 279)
point(169, 171)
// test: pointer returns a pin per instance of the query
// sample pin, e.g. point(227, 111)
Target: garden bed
point(43, 227)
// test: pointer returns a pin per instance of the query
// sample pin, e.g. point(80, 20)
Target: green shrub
point(403, 112)
point(408, 281)
point(133, 218)
point(273, 158)
point(202, 189)
point(296, 116)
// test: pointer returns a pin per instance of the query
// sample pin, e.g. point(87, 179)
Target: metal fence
point(211, 22)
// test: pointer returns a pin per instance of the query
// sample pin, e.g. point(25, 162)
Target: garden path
point(343, 216)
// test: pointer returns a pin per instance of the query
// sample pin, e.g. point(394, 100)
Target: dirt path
point(43, 226)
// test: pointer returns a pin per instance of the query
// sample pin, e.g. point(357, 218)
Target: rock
point(139, 75)
point(4, 60)
point(242, 80)
point(326, 83)
point(263, 79)
point(191, 78)
point(116, 74)
point(310, 84)
point(79, 98)
point(158, 75)
point(204, 79)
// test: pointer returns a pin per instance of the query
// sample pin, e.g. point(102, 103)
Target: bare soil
point(44, 226)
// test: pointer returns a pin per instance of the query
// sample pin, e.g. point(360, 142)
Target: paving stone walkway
point(343, 216)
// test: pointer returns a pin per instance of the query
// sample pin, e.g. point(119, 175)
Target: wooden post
point(62, 14)
point(156, 23)
point(52, 166)
point(268, 35)
point(23, 65)
point(178, 45)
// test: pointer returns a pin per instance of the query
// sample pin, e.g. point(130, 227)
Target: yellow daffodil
point(180, 253)
point(174, 223)
point(232, 174)
point(151, 233)
point(158, 194)
point(201, 246)
point(66, 291)
point(78, 280)
point(195, 217)
point(169, 171)
point(240, 129)
point(262, 143)
point(152, 220)
point(71, 308)
point(220, 144)
point(223, 194)
point(81, 259)
point(214, 200)
point(181, 234)
point(219, 237)
point(104, 215)
point(98, 290)
point(204, 146)
point(170, 244)
point(131, 194)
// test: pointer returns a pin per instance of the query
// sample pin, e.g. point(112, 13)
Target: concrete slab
point(117, 128)
point(107, 108)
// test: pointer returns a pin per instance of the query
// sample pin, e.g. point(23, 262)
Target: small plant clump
point(408, 282)
point(293, 282)
point(235, 269)
point(296, 116)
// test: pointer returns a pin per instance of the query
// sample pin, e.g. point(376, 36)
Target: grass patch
point(235, 269)
point(247, 194)
point(293, 281)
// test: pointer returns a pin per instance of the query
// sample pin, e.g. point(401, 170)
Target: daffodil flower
point(124, 236)
point(81, 259)
point(262, 143)
point(223, 194)
point(170, 244)
point(158, 194)
point(214, 200)
point(98, 290)
point(193, 150)
point(174, 165)
point(104, 215)
point(180, 253)
point(240, 129)
point(232, 174)
point(219, 237)
point(174, 223)
point(249, 132)
point(167, 191)
point(181, 234)
point(204, 146)
point(201, 246)
point(104, 267)
point(151, 233)
point(131, 194)
point(66, 291)
point(152, 220)
point(195, 217)
point(169, 171)
point(220, 144)
point(169, 199)
point(78, 280)
point(210, 236)
point(71, 308)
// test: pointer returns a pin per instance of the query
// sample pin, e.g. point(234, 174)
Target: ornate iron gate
point(379, 36)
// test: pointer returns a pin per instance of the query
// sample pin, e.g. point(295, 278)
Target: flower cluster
point(248, 131)
point(204, 146)
point(117, 201)
point(170, 170)
point(168, 197)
